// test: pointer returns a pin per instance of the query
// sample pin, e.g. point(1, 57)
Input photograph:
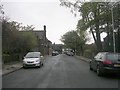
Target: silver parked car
point(69, 53)
point(33, 59)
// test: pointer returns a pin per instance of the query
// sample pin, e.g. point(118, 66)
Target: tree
point(1, 13)
point(75, 41)
point(29, 41)
point(92, 20)
point(90, 12)
point(15, 41)
point(96, 17)
point(83, 38)
point(69, 39)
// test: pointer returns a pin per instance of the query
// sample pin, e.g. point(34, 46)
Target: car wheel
point(24, 67)
point(41, 64)
point(90, 67)
point(38, 66)
point(99, 72)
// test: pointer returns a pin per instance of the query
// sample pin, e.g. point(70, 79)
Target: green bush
point(10, 58)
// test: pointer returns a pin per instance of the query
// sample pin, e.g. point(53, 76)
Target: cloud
point(29, 0)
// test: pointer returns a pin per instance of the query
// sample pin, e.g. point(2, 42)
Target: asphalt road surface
point(60, 71)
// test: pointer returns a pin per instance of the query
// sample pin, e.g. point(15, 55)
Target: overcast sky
point(58, 19)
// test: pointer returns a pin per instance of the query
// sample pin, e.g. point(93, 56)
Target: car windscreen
point(32, 55)
point(113, 56)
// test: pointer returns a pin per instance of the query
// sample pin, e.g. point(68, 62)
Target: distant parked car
point(33, 59)
point(69, 53)
point(54, 53)
point(106, 62)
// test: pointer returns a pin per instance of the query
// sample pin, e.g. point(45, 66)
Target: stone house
point(44, 44)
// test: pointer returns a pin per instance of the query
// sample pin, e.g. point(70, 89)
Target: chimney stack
point(44, 33)
point(45, 28)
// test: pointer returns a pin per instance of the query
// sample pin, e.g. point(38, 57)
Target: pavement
point(11, 67)
point(14, 66)
point(83, 58)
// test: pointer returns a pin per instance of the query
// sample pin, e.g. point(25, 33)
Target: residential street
point(60, 71)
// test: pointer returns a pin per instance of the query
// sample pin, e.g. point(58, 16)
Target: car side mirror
point(90, 60)
point(94, 57)
point(23, 58)
point(41, 56)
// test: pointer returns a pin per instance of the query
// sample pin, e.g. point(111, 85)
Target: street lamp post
point(114, 47)
point(113, 30)
point(75, 46)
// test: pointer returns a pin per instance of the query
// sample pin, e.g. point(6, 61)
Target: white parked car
point(33, 59)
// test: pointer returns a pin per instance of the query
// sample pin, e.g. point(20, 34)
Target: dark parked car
point(106, 62)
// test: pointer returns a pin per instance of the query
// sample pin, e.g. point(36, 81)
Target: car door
point(93, 61)
point(99, 60)
point(96, 61)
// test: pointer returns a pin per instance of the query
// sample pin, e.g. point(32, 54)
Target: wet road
point(60, 71)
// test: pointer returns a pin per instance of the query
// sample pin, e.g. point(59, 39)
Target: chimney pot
point(44, 27)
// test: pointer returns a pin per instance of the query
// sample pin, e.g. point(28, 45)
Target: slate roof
point(39, 34)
